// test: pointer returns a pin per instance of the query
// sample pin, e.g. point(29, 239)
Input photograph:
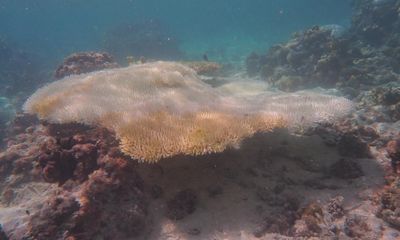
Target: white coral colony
point(162, 109)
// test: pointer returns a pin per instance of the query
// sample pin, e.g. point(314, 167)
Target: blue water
point(227, 30)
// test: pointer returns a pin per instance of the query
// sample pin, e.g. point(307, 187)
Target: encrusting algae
point(162, 109)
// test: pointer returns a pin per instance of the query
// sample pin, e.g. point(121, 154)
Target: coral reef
point(91, 189)
point(371, 131)
point(162, 109)
point(393, 149)
point(68, 175)
point(84, 62)
point(312, 58)
point(364, 55)
point(110, 204)
point(356, 227)
point(22, 190)
point(376, 22)
point(102, 193)
point(149, 39)
point(363, 63)
point(72, 157)
point(390, 202)
point(335, 207)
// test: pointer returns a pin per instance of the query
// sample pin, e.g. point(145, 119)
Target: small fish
point(205, 57)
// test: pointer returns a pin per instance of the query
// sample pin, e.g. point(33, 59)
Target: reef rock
point(377, 21)
point(84, 62)
point(393, 149)
point(69, 182)
point(312, 58)
point(367, 54)
point(389, 209)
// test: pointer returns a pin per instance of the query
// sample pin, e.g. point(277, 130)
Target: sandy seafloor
point(248, 181)
point(238, 189)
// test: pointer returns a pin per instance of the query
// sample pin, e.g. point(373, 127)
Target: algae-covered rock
point(84, 62)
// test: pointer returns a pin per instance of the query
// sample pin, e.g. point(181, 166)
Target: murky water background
point(227, 30)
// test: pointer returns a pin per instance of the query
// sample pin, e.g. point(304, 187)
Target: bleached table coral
point(163, 109)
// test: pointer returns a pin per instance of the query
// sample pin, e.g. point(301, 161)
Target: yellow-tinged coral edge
point(162, 135)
